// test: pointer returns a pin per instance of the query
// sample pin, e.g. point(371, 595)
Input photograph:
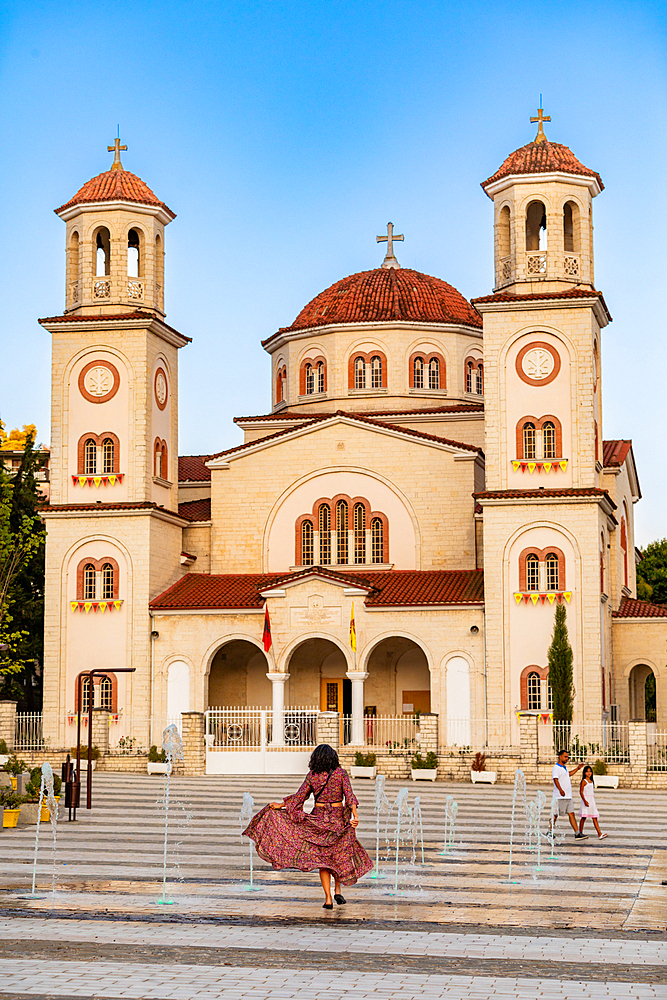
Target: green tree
point(652, 573)
point(22, 542)
point(560, 668)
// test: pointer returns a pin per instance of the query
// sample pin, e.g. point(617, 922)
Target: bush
point(9, 799)
point(364, 759)
point(33, 787)
point(599, 767)
point(95, 754)
point(429, 762)
point(15, 766)
point(479, 763)
point(155, 756)
point(3, 747)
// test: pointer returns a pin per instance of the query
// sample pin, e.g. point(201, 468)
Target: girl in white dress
point(588, 808)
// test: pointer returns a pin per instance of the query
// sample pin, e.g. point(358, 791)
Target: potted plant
point(600, 777)
point(424, 768)
point(364, 765)
point(31, 798)
point(157, 761)
point(10, 803)
point(94, 756)
point(15, 766)
point(479, 773)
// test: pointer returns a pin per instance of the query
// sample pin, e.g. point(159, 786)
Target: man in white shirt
point(561, 802)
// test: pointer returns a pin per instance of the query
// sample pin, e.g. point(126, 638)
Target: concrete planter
point(29, 812)
point(4, 757)
point(605, 781)
point(424, 773)
point(158, 767)
point(363, 772)
point(483, 777)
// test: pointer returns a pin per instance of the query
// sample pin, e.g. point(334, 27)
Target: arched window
point(102, 252)
point(532, 572)
point(376, 372)
point(107, 582)
point(341, 532)
point(325, 534)
point(310, 380)
point(159, 271)
point(158, 459)
point(108, 454)
point(307, 543)
point(552, 572)
point(85, 694)
point(434, 374)
point(534, 692)
point(480, 379)
point(602, 563)
point(89, 582)
point(529, 440)
point(418, 373)
point(571, 227)
point(90, 457)
point(133, 254)
point(106, 694)
point(536, 226)
point(320, 376)
point(359, 373)
point(359, 533)
point(165, 463)
point(549, 439)
point(73, 268)
point(377, 540)
point(550, 697)
point(469, 376)
point(624, 548)
point(504, 246)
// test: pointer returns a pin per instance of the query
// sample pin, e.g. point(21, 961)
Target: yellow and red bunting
point(535, 597)
point(97, 481)
point(531, 467)
point(546, 717)
point(94, 606)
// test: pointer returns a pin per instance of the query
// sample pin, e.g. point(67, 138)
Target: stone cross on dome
point(390, 260)
point(541, 118)
point(115, 149)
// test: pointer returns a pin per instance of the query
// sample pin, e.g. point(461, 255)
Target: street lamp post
point(90, 674)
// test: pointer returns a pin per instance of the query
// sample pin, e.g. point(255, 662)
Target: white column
point(357, 677)
point(278, 704)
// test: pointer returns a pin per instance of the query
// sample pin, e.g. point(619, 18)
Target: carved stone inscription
point(315, 614)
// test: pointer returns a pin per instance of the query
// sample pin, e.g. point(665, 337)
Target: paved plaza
point(589, 922)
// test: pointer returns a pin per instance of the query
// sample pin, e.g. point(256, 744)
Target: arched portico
point(398, 677)
point(642, 692)
point(237, 676)
point(317, 668)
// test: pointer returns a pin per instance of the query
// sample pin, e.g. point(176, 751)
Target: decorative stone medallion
point(161, 388)
point(538, 363)
point(99, 381)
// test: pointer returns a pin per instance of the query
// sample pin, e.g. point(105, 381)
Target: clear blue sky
point(285, 135)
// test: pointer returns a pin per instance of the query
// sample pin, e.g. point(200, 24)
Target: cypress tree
point(560, 668)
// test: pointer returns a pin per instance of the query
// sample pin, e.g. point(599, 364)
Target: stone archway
point(237, 677)
point(317, 677)
point(643, 707)
point(399, 679)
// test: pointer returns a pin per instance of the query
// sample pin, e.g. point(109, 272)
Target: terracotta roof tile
point(191, 469)
point(391, 588)
point(573, 491)
point(569, 293)
point(630, 608)
point(542, 158)
point(386, 295)
point(196, 510)
point(99, 505)
point(109, 317)
point(115, 185)
point(614, 453)
point(290, 415)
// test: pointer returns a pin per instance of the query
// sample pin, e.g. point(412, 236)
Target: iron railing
point(253, 728)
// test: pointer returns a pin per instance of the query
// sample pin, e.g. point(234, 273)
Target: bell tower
point(543, 218)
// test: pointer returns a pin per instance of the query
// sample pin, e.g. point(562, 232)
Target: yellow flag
point(563, 465)
point(515, 465)
point(74, 605)
point(353, 630)
point(531, 467)
point(518, 598)
point(547, 466)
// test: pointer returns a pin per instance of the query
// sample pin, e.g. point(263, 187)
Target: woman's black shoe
point(327, 906)
point(339, 899)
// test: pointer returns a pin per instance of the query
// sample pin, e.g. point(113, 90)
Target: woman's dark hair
point(586, 768)
point(323, 758)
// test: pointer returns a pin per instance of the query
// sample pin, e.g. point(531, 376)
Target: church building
point(429, 483)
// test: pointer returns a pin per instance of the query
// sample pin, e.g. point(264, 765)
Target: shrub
point(364, 759)
point(599, 767)
point(3, 747)
point(155, 756)
point(95, 753)
point(9, 799)
point(479, 763)
point(429, 762)
point(15, 766)
point(33, 787)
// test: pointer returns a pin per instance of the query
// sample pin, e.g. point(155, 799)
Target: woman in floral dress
point(288, 837)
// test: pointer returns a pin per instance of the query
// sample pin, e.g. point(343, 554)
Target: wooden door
point(419, 700)
point(331, 699)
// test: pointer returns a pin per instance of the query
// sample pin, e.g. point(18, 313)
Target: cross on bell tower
point(541, 118)
point(115, 149)
point(390, 260)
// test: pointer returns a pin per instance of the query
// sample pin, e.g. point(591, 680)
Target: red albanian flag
point(266, 636)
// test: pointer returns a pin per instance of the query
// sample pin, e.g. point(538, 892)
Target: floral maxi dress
point(292, 838)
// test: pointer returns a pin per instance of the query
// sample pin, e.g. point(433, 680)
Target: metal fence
point(385, 732)
point(587, 742)
point(460, 733)
point(28, 731)
point(253, 728)
point(657, 751)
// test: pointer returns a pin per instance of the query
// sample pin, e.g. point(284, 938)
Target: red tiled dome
point(542, 158)
point(387, 294)
point(115, 185)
